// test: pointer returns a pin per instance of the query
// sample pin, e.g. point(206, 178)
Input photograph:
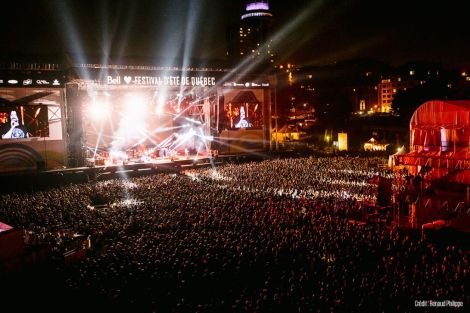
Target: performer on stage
point(14, 129)
point(243, 121)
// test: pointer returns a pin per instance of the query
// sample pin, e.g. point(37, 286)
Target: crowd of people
point(267, 236)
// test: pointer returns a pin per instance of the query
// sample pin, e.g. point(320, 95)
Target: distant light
point(257, 6)
point(256, 14)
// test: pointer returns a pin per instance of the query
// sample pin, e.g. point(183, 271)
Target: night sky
point(312, 32)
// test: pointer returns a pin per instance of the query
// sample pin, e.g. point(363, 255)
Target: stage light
point(98, 110)
point(193, 121)
point(161, 102)
point(135, 104)
point(159, 107)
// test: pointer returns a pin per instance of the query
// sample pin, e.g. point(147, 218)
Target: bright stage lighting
point(133, 114)
point(133, 122)
point(208, 138)
point(159, 107)
point(98, 110)
point(134, 104)
point(160, 103)
point(193, 121)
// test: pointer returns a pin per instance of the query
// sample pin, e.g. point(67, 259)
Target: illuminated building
point(406, 77)
point(388, 88)
point(250, 38)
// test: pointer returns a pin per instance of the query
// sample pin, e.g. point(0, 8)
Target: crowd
point(268, 236)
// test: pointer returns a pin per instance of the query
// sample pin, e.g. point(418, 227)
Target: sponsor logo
point(12, 81)
point(127, 79)
point(55, 82)
point(114, 80)
point(27, 82)
point(42, 82)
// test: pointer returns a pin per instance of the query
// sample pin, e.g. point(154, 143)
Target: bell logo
point(113, 80)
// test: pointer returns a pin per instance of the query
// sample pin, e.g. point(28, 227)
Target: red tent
point(440, 139)
point(439, 157)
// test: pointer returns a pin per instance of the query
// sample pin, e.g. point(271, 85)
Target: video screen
point(24, 121)
point(243, 109)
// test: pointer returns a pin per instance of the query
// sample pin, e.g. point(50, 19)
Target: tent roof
point(442, 113)
point(374, 141)
point(459, 154)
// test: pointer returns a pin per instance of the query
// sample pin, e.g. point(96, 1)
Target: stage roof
point(442, 113)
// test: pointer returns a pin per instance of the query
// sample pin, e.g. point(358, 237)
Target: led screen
point(24, 121)
point(243, 109)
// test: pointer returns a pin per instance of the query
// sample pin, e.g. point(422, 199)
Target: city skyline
point(306, 32)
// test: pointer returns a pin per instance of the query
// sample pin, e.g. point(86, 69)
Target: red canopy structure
point(439, 164)
point(440, 140)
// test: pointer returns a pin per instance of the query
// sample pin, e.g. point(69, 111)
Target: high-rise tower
point(250, 37)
